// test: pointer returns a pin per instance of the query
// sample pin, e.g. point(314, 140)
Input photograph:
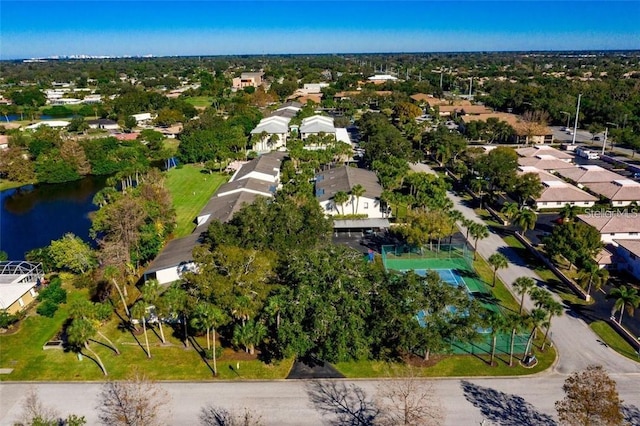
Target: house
point(343, 179)
point(614, 225)
point(620, 192)
point(247, 79)
point(589, 173)
point(19, 281)
point(257, 178)
point(52, 123)
point(556, 194)
point(454, 110)
point(534, 151)
point(526, 132)
point(103, 123)
point(270, 134)
point(628, 252)
point(143, 117)
point(381, 78)
point(315, 125)
point(544, 162)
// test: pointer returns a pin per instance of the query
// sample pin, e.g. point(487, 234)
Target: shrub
point(6, 319)
point(208, 353)
point(54, 292)
point(47, 308)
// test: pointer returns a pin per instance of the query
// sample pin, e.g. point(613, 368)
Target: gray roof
point(343, 179)
point(287, 113)
point(268, 164)
point(175, 252)
point(250, 184)
point(293, 104)
point(361, 223)
point(223, 208)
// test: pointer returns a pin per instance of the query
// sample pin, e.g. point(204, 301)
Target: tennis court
point(454, 265)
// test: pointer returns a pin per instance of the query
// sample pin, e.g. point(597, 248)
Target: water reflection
point(33, 216)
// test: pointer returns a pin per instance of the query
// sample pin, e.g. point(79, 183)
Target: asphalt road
point(586, 137)
point(497, 401)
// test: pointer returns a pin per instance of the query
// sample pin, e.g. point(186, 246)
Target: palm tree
point(522, 286)
point(467, 223)
point(592, 275)
point(93, 312)
point(111, 272)
point(497, 323)
point(626, 298)
point(526, 219)
point(340, 198)
point(151, 295)
point(175, 301)
point(357, 191)
point(79, 333)
point(510, 211)
point(535, 320)
point(478, 232)
point(515, 322)
point(478, 186)
point(139, 311)
point(569, 212)
point(497, 261)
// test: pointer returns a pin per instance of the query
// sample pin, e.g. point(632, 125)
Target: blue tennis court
point(448, 276)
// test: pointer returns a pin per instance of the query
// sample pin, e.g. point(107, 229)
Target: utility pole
point(575, 124)
point(470, 86)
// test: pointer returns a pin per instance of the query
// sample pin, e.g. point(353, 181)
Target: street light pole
point(604, 142)
point(575, 125)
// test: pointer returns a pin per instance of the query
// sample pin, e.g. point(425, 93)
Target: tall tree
point(510, 210)
point(497, 324)
point(79, 332)
point(478, 232)
point(497, 261)
point(339, 198)
point(591, 398)
point(523, 286)
point(526, 219)
point(139, 312)
point(357, 191)
point(626, 298)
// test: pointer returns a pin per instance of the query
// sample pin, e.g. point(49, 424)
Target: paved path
point(508, 401)
point(577, 344)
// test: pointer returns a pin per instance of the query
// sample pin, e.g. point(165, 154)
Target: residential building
point(270, 134)
point(582, 175)
point(534, 151)
point(556, 194)
point(257, 178)
point(19, 281)
point(544, 162)
point(103, 123)
point(247, 79)
point(526, 132)
point(628, 252)
point(315, 125)
point(381, 78)
point(620, 192)
point(343, 179)
point(614, 225)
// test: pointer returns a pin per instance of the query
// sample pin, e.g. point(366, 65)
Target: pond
point(32, 217)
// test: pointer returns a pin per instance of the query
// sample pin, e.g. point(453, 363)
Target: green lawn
point(23, 352)
point(451, 366)
point(191, 190)
point(500, 291)
point(545, 273)
point(200, 101)
point(612, 338)
point(8, 184)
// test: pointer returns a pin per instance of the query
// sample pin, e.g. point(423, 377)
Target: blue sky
point(46, 28)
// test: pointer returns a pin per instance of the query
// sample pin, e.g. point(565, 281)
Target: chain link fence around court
point(410, 257)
